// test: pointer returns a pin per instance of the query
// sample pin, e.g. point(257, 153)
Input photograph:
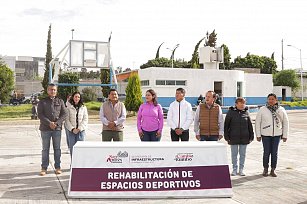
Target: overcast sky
point(140, 26)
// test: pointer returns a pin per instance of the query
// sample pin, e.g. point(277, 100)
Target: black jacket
point(49, 110)
point(238, 127)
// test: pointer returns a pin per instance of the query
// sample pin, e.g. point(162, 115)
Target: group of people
point(209, 125)
point(53, 113)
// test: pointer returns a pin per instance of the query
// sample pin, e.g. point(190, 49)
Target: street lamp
point(302, 85)
point(72, 33)
point(173, 53)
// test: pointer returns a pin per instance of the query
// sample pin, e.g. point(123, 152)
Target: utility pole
point(301, 70)
point(282, 54)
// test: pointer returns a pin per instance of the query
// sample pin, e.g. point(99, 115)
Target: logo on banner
point(145, 159)
point(184, 157)
point(122, 154)
point(114, 159)
point(117, 158)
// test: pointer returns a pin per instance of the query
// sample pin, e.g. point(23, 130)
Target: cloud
point(50, 14)
point(107, 2)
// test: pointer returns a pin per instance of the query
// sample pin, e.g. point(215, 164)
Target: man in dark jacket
point(238, 132)
point(52, 113)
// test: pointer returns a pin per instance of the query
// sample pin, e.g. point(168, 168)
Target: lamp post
point(302, 85)
point(72, 33)
point(173, 53)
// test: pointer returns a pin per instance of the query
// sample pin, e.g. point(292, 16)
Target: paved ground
point(20, 156)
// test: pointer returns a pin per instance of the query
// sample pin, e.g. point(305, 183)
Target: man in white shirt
point(180, 117)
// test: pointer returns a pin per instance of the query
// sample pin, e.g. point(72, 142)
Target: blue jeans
point(235, 149)
point(270, 147)
point(150, 136)
point(67, 135)
point(56, 141)
point(74, 138)
point(209, 138)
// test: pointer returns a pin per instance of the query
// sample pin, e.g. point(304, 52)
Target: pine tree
point(47, 61)
point(211, 39)
point(226, 64)
point(71, 78)
point(133, 93)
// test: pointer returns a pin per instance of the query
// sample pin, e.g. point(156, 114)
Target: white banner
point(144, 169)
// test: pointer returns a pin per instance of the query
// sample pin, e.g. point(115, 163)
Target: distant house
point(122, 80)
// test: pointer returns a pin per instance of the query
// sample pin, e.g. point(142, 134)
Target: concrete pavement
point(20, 158)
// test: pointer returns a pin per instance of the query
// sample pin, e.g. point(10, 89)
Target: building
point(28, 73)
point(228, 84)
point(302, 76)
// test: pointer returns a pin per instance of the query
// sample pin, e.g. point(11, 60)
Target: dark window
point(170, 82)
point(181, 83)
point(160, 82)
point(145, 83)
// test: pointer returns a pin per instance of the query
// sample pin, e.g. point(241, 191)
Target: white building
point(229, 84)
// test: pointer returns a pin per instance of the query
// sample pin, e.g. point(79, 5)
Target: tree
point(105, 79)
point(158, 51)
point(195, 58)
point(265, 64)
point(270, 66)
point(133, 93)
point(181, 63)
point(164, 62)
point(227, 57)
point(286, 78)
point(45, 81)
point(6, 82)
point(159, 62)
point(211, 39)
point(89, 94)
point(68, 77)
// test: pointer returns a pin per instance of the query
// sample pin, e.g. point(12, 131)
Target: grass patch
point(93, 105)
point(19, 111)
point(25, 110)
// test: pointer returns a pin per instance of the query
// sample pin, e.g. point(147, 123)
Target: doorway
point(283, 94)
point(218, 89)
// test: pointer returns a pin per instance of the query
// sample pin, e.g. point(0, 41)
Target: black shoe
point(265, 172)
point(273, 174)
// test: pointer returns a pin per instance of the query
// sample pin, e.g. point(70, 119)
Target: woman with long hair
point(150, 118)
point(76, 121)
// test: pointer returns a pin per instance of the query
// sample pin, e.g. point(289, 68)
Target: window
point(145, 83)
point(160, 82)
point(181, 83)
point(170, 82)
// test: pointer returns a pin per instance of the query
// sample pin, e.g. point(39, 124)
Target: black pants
point(184, 136)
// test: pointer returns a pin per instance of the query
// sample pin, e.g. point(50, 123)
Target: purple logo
point(184, 157)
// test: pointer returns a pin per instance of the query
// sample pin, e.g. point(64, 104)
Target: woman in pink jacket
point(150, 118)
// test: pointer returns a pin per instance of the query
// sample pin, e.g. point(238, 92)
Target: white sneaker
point(234, 173)
point(241, 173)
